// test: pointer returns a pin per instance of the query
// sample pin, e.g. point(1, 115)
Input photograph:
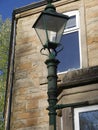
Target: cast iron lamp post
point(49, 27)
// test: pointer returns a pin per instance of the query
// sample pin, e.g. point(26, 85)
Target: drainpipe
point(10, 73)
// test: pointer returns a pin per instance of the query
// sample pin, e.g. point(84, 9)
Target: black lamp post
point(49, 27)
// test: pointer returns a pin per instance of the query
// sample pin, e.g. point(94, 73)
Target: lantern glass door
point(49, 28)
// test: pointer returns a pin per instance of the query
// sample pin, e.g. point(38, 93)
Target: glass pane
point(40, 29)
point(71, 22)
point(52, 36)
point(42, 35)
point(88, 120)
point(69, 57)
point(47, 24)
point(55, 27)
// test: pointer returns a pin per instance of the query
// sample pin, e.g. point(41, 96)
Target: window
point(86, 118)
point(70, 57)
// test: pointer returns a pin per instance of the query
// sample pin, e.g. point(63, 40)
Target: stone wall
point(91, 8)
point(29, 100)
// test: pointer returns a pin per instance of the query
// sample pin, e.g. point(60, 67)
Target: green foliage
point(4, 47)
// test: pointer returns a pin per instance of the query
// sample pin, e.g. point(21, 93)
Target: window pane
point(88, 120)
point(69, 57)
point(71, 22)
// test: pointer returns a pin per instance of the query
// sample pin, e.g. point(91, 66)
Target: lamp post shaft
point(52, 91)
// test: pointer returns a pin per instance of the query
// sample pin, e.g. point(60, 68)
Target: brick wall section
point(91, 7)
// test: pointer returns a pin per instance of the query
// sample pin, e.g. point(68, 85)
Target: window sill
point(77, 77)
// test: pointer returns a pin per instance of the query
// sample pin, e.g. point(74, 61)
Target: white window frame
point(73, 29)
point(82, 109)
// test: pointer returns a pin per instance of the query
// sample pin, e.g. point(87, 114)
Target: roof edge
point(31, 6)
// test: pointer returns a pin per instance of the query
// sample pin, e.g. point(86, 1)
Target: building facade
point(26, 96)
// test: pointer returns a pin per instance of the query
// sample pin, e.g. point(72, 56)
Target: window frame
point(82, 109)
point(74, 29)
point(72, 13)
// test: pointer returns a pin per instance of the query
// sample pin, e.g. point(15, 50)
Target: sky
point(7, 6)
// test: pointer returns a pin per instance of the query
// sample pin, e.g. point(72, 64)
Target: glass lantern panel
point(52, 36)
point(42, 35)
point(54, 27)
point(49, 27)
point(41, 29)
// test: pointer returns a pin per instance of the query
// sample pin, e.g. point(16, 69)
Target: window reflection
point(88, 120)
point(70, 56)
point(71, 22)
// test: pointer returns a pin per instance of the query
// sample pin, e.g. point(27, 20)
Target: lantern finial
point(49, 1)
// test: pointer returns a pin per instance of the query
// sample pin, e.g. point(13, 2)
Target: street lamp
point(49, 27)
